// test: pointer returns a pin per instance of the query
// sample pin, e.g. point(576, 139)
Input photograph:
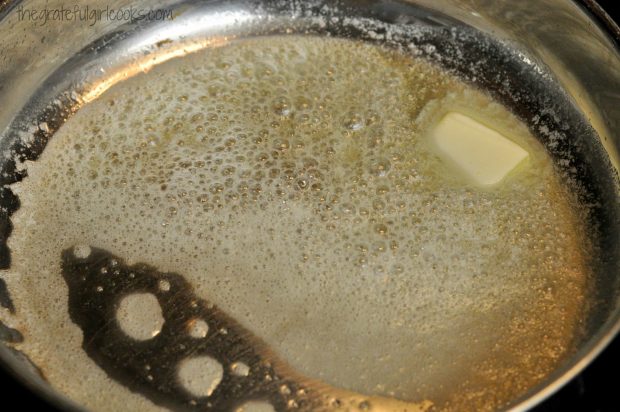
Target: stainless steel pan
point(571, 43)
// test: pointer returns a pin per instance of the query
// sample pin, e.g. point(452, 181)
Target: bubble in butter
point(481, 153)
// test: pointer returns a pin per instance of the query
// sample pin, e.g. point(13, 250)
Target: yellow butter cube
point(481, 153)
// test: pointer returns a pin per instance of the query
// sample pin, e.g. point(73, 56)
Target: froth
point(291, 182)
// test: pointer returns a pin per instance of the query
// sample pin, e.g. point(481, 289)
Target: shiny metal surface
point(556, 37)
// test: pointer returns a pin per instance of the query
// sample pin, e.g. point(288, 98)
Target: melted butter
point(290, 181)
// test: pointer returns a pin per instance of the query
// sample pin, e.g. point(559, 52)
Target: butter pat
point(481, 153)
